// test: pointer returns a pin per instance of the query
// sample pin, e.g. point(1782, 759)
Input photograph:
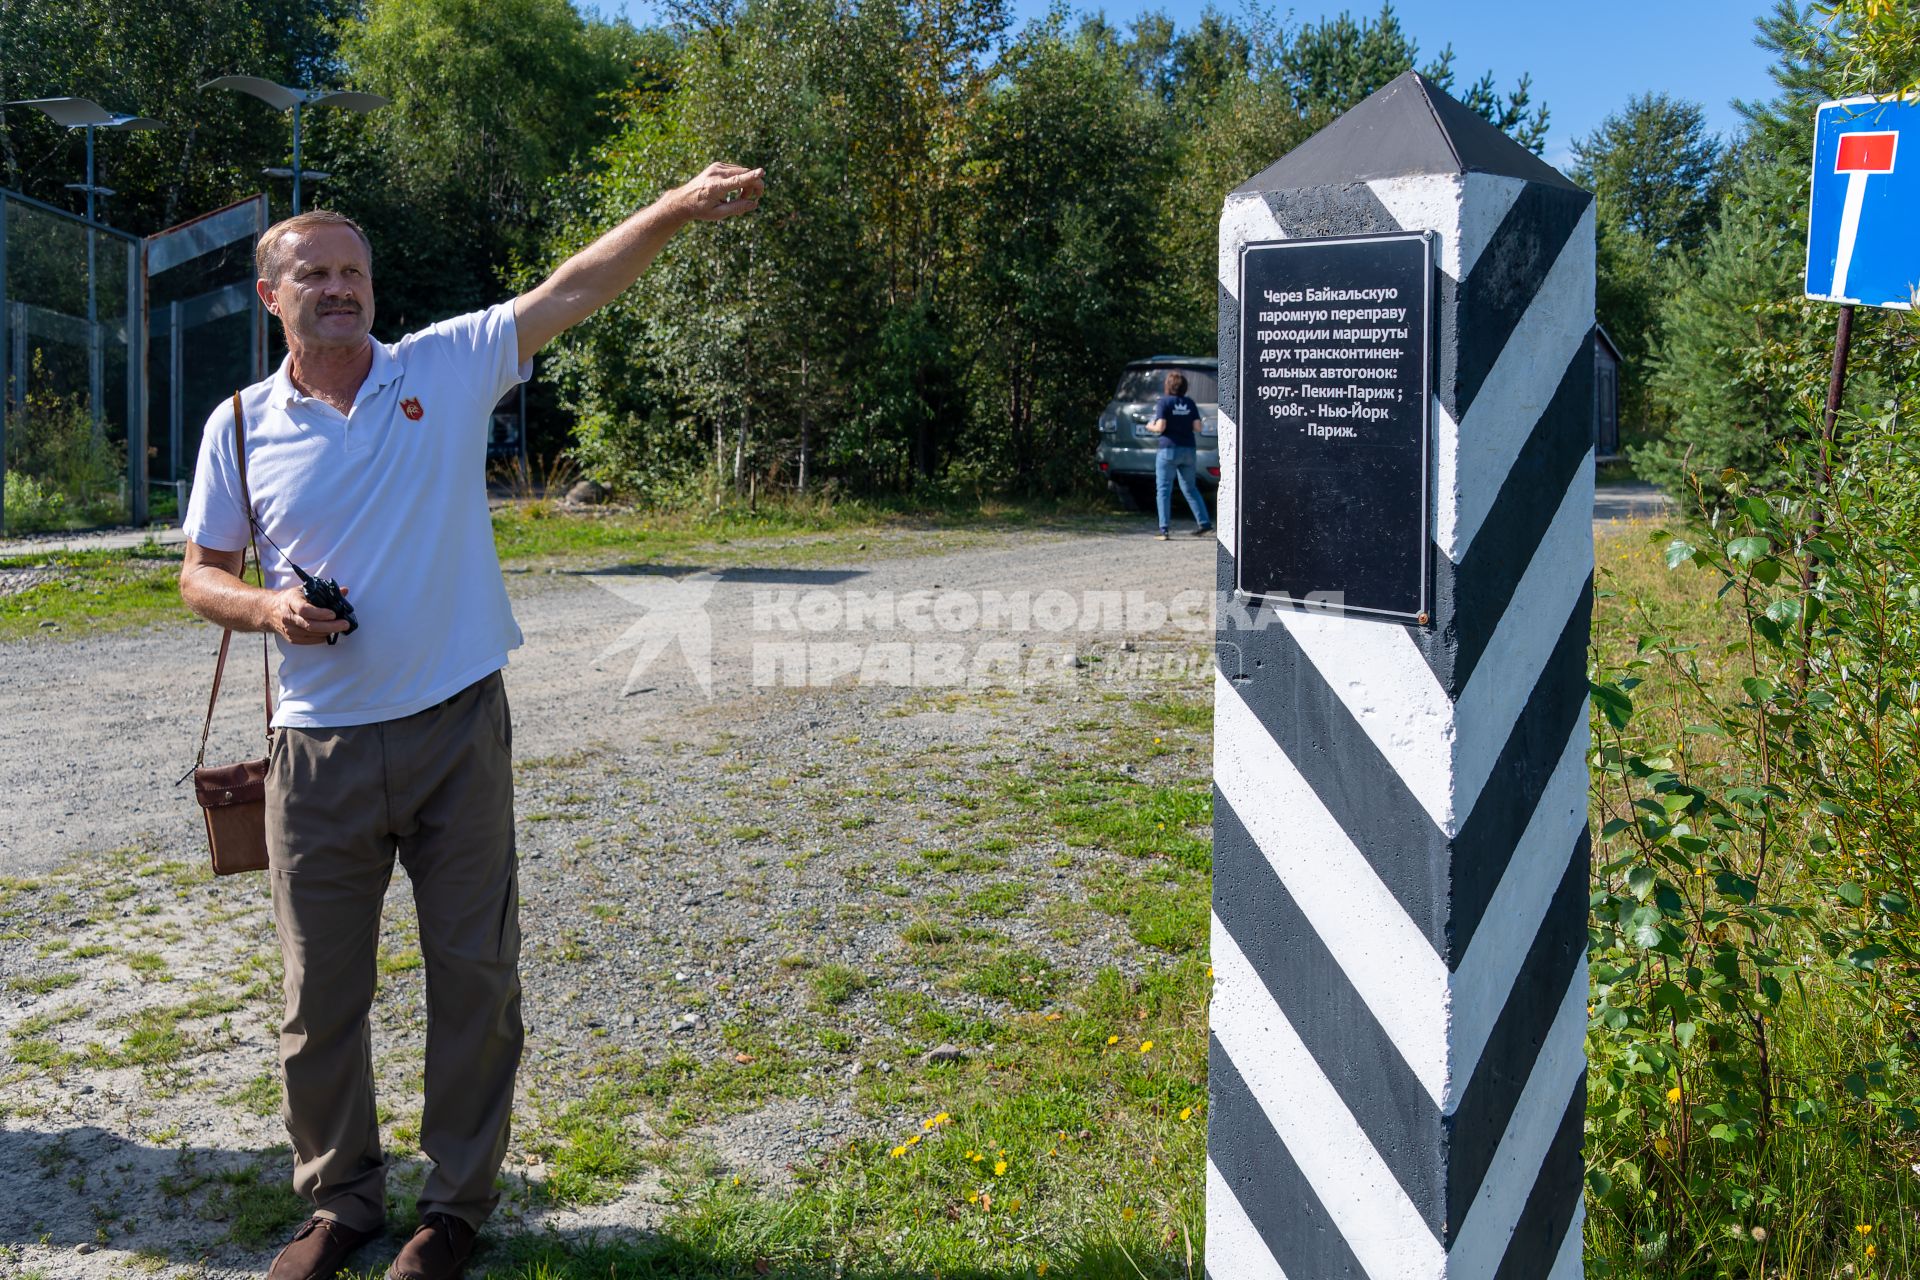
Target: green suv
point(1127, 448)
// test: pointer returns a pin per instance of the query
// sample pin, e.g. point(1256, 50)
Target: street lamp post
point(288, 98)
point(84, 113)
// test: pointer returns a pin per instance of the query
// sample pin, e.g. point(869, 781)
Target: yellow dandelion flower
point(1186, 1113)
point(1209, 971)
point(1015, 1204)
point(927, 1123)
point(736, 1179)
point(1163, 826)
point(1865, 1228)
point(1126, 1214)
point(943, 1118)
point(973, 1197)
point(1040, 1270)
point(915, 1138)
point(1870, 1251)
point(897, 1152)
point(1156, 739)
point(1053, 1017)
point(1146, 1046)
point(1113, 1039)
point(1673, 1094)
point(999, 1167)
point(1053, 1151)
point(976, 1156)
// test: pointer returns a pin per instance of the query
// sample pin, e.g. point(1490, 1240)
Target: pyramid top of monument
point(1408, 126)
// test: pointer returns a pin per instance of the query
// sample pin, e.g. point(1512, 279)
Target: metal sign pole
point(96, 375)
point(1836, 387)
point(296, 159)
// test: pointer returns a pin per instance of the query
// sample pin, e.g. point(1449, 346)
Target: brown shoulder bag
point(233, 797)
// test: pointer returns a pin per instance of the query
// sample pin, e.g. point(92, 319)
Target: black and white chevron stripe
point(1400, 841)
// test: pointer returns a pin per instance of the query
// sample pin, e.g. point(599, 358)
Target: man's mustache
point(340, 308)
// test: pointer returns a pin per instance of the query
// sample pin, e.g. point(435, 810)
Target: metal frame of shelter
point(170, 255)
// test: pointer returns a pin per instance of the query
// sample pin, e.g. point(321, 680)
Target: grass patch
point(1057, 1149)
point(404, 960)
point(257, 1204)
point(1023, 979)
point(590, 1149)
point(259, 1096)
point(997, 900)
point(93, 591)
point(779, 531)
point(926, 933)
point(921, 1017)
point(43, 984)
point(1139, 819)
point(835, 984)
point(1167, 912)
point(35, 1024)
point(148, 964)
point(949, 861)
point(37, 1051)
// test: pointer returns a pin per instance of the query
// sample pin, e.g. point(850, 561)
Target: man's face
point(324, 296)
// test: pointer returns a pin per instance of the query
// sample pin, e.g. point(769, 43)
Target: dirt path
point(695, 870)
point(94, 732)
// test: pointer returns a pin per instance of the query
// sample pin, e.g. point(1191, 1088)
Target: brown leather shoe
point(317, 1250)
point(438, 1250)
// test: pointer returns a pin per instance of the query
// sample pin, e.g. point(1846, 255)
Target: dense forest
point(973, 224)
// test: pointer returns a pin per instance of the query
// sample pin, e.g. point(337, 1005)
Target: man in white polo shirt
point(365, 463)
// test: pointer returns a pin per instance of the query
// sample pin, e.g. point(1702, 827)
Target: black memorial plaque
point(1335, 367)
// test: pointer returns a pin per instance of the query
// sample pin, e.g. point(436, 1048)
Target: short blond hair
point(270, 255)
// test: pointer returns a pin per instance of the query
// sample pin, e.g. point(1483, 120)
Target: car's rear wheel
point(1133, 494)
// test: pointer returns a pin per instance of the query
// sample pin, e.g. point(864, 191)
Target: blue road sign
point(1861, 241)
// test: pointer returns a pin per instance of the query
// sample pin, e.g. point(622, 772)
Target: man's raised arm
point(601, 272)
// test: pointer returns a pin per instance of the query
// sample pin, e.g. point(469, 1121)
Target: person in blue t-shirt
point(1175, 419)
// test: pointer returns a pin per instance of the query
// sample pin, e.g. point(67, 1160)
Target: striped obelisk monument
point(1401, 851)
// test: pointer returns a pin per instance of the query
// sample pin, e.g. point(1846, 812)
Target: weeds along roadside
point(1752, 1093)
point(64, 595)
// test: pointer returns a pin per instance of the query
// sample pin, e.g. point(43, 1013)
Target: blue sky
point(1586, 59)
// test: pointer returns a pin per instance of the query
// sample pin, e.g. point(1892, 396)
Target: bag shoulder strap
point(226, 634)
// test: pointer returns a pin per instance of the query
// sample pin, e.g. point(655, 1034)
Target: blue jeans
point(1169, 464)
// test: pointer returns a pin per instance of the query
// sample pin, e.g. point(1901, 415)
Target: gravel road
point(701, 844)
point(95, 730)
point(694, 852)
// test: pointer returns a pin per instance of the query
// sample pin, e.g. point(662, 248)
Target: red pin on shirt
point(411, 407)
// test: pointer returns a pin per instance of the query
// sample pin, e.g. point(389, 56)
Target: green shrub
point(61, 472)
point(1753, 1101)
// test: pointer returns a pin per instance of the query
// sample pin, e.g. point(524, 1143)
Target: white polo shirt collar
point(385, 369)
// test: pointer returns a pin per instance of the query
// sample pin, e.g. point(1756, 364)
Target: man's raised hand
point(723, 190)
point(599, 273)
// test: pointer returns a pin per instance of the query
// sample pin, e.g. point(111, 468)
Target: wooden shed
point(1606, 396)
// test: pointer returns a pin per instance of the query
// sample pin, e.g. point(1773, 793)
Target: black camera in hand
point(325, 593)
point(322, 593)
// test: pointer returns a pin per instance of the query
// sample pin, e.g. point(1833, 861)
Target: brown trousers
point(435, 787)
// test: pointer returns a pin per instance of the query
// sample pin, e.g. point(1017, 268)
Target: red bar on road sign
point(1866, 153)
